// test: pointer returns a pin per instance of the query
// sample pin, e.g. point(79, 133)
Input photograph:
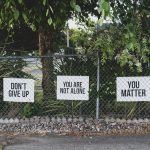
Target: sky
point(74, 25)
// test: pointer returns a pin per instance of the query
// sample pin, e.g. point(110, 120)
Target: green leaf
point(33, 27)
point(100, 2)
point(58, 20)
point(20, 1)
point(47, 12)
point(10, 21)
point(106, 7)
point(139, 66)
point(130, 46)
point(16, 14)
point(51, 9)
point(77, 8)
point(131, 34)
point(25, 17)
point(44, 2)
point(103, 13)
point(73, 3)
point(99, 10)
point(7, 4)
point(38, 19)
point(54, 25)
point(127, 36)
point(49, 21)
point(101, 21)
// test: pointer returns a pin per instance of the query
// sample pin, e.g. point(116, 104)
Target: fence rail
point(44, 70)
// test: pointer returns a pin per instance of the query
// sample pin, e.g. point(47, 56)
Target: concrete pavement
point(81, 143)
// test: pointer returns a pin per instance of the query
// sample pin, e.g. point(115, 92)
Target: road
point(81, 143)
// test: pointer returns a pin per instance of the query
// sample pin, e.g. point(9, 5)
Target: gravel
point(74, 126)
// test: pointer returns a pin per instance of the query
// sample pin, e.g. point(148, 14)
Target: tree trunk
point(46, 49)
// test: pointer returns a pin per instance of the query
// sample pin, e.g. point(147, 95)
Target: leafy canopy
point(45, 12)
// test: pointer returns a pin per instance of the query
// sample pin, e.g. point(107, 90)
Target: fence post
point(98, 85)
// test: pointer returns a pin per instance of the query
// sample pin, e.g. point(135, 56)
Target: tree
point(46, 17)
point(126, 38)
point(133, 16)
point(111, 66)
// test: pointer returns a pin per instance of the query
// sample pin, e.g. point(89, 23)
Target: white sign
point(18, 90)
point(133, 89)
point(73, 87)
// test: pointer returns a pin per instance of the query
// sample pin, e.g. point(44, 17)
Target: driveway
point(80, 143)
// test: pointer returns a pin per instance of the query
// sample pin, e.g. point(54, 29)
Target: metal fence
point(44, 70)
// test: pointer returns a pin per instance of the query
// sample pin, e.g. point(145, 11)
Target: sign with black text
point(133, 89)
point(18, 90)
point(73, 87)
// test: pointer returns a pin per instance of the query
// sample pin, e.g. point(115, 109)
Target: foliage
point(77, 66)
point(115, 43)
point(28, 110)
point(11, 68)
point(133, 18)
point(43, 12)
point(31, 109)
point(118, 58)
point(124, 42)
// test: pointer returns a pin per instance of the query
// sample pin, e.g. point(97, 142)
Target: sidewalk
point(80, 143)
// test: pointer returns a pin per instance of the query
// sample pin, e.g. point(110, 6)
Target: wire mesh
point(44, 70)
point(109, 105)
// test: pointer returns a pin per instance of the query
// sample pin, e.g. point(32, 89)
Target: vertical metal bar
point(68, 36)
point(98, 86)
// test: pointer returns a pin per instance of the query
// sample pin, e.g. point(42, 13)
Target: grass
point(1, 147)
